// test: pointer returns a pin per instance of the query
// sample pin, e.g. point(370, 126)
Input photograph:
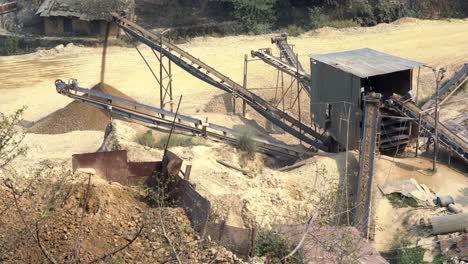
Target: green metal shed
point(338, 81)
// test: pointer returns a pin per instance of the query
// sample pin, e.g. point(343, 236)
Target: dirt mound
point(113, 216)
point(77, 116)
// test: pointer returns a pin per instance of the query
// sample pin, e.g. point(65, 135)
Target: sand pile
point(77, 116)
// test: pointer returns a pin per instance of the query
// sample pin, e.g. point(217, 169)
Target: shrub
point(11, 138)
point(406, 253)
point(400, 201)
point(146, 139)
point(276, 247)
point(342, 23)
point(253, 12)
point(294, 30)
point(246, 142)
point(363, 14)
point(9, 46)
point(177, 141)
point(261, 28)
point(317, 17)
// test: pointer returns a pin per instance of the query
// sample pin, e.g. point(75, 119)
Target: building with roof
point(339, 81)
point(79, 17)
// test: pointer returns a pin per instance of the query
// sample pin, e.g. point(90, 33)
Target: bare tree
point(11, 137)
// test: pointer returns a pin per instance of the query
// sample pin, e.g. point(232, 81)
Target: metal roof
point(366, 62)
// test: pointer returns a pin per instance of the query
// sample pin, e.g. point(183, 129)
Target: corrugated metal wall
point(331, 88)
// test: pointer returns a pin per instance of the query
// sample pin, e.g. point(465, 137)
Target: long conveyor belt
point(367, 152)
point(450, 87)
point(213, 77)
point(447, 137)
point(287, 51)
point(303, 77)
point(155, 116)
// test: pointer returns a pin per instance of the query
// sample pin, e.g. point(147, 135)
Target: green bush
point(276, 247)
point(246, 142)
point(147, 139)
point(409, 254)
point(9, 46)
point(253, 12)
point(317, 18)
point(177, 141)
point(399, 201)
point(363, 14)
point(294, 30)
point(260, 28)
point(346, 23)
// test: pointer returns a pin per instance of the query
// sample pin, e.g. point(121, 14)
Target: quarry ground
point(268, 195)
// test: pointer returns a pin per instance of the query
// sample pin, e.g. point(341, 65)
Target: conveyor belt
point(211, 76)
point(447, 137)
point(287, 51)
point(367, 151)
point(446, 90)
point(303, 77)
point(155, 116)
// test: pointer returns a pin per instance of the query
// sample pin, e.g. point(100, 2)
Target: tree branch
point(118, 249)
point(83, 210)
point(23, 220)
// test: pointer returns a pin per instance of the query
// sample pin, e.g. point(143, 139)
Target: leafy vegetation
point(407, 253)
point(147, 139)
point(246, 142)
point(276, 247)
point(11, 137)
point(230, 17)
point(400, 201)
point(9, 46)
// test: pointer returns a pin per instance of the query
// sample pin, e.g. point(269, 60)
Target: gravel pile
point(77, 116)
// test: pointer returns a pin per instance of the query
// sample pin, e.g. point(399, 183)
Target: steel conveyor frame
point(194, 66)
point(160, 117)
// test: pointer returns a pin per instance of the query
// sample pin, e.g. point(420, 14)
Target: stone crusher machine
point(362, 99)
point(359, 99)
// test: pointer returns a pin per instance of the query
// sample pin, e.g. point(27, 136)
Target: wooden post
point(450, 156)
point(204, 131)
point(243, 108)
point(170, 85)
point(439, 78)
point(417, 85)
point(346, 163)
point(221, 230)
point(298, 97)
point(282, 89)
point(244, 83)
point(188, 170)
point(253, 243)
point(161, 101)
point(419, 133)
point(233, 103)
